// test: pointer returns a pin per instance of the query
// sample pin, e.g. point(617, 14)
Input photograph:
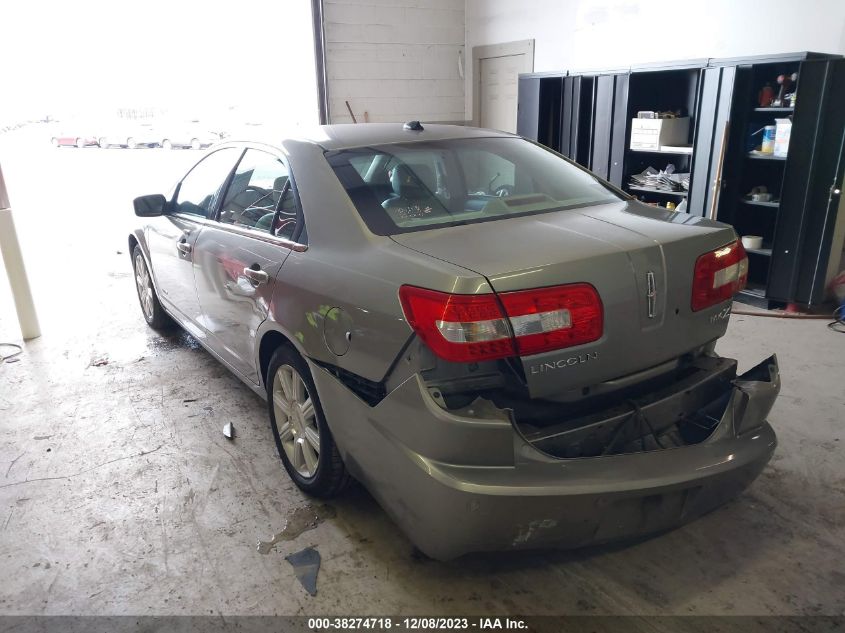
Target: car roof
point(347, 135)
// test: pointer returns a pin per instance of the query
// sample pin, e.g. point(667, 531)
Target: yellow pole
point(15, 270)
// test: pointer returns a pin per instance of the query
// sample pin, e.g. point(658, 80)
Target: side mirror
point(150, 206)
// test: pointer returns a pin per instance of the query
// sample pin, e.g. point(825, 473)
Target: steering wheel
point(263, 193)
point(503, 191)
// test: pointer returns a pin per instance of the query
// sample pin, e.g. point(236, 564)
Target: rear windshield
point(421, 185)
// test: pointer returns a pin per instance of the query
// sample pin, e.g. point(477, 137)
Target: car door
point(171, 237)
point(238, 256)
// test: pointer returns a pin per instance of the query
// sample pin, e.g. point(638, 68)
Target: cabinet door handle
point(184, 247)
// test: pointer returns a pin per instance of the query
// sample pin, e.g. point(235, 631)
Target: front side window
point(260, 196)
point(198, 192)
point(429, 184)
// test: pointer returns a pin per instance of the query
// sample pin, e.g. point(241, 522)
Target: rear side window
point(260, 196)
point(423, 185)
point(198, 192)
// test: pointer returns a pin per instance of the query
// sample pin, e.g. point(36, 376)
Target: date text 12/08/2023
point(416, 623)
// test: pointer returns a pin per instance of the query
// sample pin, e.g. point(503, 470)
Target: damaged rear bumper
point(466, 481)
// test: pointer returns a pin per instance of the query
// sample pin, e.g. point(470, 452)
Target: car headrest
point(412, 183)
point(280, 183)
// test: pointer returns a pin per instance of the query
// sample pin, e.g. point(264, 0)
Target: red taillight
point(465, 328)
point(719, 275)
point(552, 318)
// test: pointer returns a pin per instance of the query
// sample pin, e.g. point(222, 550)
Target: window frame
point(216, 202)
point(289, 185)
point(298, 241)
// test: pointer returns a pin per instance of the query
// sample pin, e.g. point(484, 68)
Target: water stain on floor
point(173, 341)
point(301, 520)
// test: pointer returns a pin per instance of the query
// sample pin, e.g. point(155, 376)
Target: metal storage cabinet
point(804, 235)
point(610, 126)
point(580, 116)
point(713, 116)
point(528, 106)
point(539, 109)
point(798, 225)
point(586, 116)
point(577, 120)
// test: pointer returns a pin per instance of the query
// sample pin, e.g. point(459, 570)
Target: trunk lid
point(624, 250)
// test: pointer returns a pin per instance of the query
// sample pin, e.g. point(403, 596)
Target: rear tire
point(54, 142)
point(154, 314)
point(103, 143)
point(130, 143)
point(295, 414)
point(166, 144)
point(195, 143)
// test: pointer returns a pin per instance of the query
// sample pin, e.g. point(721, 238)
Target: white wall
point(584, 34)
point(395, 59)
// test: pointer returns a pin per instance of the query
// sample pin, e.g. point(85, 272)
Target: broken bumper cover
point(459, 482)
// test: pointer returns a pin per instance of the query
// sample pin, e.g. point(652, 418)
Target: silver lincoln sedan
point(507, 351)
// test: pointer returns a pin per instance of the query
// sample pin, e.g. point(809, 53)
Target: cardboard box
point(651, 134)
point(783, 130)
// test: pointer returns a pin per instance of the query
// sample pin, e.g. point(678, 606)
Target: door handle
point(184, 248)
point(257, 276)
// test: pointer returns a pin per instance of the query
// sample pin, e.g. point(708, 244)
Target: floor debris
point(11, 358)
point(300, 520)
point(229, 430)
point(100, 362)
point(306, 564)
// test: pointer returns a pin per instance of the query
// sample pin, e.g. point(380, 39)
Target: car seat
point(413, 198)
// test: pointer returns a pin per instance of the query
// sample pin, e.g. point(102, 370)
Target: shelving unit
point(659, 90)
point(760, 203)
point(663, 151)
point(765, 157)
point(664, 192)
point(586, 116)
point(755, 169)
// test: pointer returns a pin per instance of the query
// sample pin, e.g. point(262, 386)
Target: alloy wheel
point(145, 286)
point(296, 419)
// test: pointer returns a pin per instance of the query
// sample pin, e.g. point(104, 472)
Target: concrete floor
point(119, 494)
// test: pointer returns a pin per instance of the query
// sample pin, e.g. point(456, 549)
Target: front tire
point(303, 438)
point(80, 143)
point(195, 144)
point(103, 143)
point(166, 144)
point(130, 143)
point(154, 314)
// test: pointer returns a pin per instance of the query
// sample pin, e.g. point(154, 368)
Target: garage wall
point(584, 34)
point(395, 59)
